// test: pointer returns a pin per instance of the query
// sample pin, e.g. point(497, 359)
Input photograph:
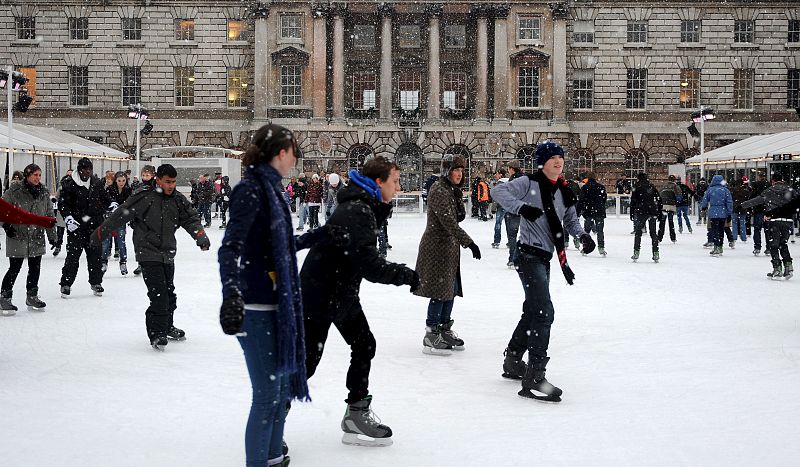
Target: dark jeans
point(596, 224)
point(158, 278)
point(738, 222)
point(777, 241)
point(313, 217)
point(439, 311)
point(224, 212)
point(383, 239)
point(14, 266)
point(533, 330)
point(205, 212)
point(758, 224)
point(77, 243)
point(512, 229)
point(482, 205)
point(263, 437)
point(683, 213)
point(354, 328)
point(118, 238)
point(60, 235)
point(667, 216)
point(716, 231)
point(638, 225)
point(498, 223)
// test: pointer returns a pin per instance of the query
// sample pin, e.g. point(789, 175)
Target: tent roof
point(755, 147)
point(52, 140)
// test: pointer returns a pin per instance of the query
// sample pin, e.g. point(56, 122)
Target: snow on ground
point(692, 361)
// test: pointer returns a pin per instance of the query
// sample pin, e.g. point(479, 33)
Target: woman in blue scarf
point(261, 292)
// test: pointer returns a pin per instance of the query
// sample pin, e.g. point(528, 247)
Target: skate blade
point(437, 352)
point(98, 294)
point(458, 348)
point(157, 347)
point(528, 394)
point(8, 313)
point(511, 377)
point(177, 339)
point(33, 308)
point(64, 296)
point(355, 439)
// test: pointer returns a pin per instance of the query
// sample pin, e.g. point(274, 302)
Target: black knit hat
point(84, 163)
point(547, 149)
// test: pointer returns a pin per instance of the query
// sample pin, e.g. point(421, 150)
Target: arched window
point(579, 163)
point(409, 158)
point(527, 158)
point(635, 163)
point(358, 155)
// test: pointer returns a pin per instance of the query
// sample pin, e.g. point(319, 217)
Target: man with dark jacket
point(685, 197)
point(669, 200)
point(756, 189)
point(592, 206)
point(699, 192)
point(83, 201)
point(224, 197)
point(205, 196)
point(646, 208)
point(331, 278)
point(156, 214)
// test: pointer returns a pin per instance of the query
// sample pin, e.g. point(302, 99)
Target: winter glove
point(476, 252)
point(72, 224)
point(203, 242)
point(113, 206)
point(588, 244)
point(10, 231)
point(231, 315)
point(414, 282)
point(529, 212)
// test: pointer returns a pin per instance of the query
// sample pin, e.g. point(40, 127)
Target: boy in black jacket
point(646, 208)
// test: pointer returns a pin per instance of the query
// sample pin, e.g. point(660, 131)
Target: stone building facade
point(613, 81)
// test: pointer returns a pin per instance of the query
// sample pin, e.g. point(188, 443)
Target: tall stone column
point(559, 61)
point(319, 62)
point(261, 68)
point(434, 12)
point(386, 11)
point(482, 69)
point(338, 61)
point(501, 61)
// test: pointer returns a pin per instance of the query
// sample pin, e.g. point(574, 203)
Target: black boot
point(535, 385)
point(33, 301)
point(513, 366)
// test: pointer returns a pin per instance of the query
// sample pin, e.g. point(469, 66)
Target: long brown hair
point(268, 141)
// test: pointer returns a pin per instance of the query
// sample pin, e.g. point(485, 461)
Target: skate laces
point(370, 417)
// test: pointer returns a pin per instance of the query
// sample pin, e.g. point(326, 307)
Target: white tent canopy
point(755, 148)
point(51, 140)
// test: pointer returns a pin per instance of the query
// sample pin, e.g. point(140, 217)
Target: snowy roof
point(758, 147)
point(38, 138)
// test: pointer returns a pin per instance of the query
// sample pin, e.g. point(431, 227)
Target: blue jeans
point(512, 230)
point(119, 238)
point(739, 226)
point(533, 330)
point(439, 311)
point(303, 214)
point(205, 212)
point(263, 436)
point(758, 225)
point(683, 213)
point(498, 224)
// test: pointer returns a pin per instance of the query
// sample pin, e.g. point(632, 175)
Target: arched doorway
point(580, 163)
point(527, 158)
point(409, 158)
point(358, 155)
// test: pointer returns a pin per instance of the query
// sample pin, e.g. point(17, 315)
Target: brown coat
point(439, 259)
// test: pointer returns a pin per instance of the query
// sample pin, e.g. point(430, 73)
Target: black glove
point(476, 252)
point(414, 282)
point(231, 314)
point(529, 212)
point(588, 244)
point(10, 231)
point(203, 242)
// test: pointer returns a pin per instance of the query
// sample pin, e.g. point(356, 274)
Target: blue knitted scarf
point(367, 184)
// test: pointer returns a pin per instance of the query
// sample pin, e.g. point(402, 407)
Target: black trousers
point(778, 233)
point(15, 264)
point(158, 277)
point(638, 225)
point(533, 329)
point(596, 224)
point(355, 331)
point(667, 215)
point(78, 243)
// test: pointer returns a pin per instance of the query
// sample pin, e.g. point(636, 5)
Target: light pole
point(9, 85)
point(705, 113)
point(137, 112)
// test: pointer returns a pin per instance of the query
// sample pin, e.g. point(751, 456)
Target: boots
point(602, 251)
point(176, 334)
point(450, 337)
point(655, 256)
point(361, 428)
point(535, 385)
point(158, 340)
point(635, 255)
point(788, 270)
point(33, 302)
point(716, 252)
point(123, 268)
point(434, 344)
point(513, 366)
point(6, 307)
point(777, 272)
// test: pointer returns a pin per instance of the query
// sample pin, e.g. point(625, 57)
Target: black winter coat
point(85, 205)
point(331, 276)
point(205, 192)
point(740, 194)
point(687, 194)
point(645, 201)
point(117, 196)
point(592, 201)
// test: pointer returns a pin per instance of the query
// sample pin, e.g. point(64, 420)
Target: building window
point(365, 91)
point(291, 84)
point(364, 36)
point(237, 87)
point(526, 156)
point(743, 31)
point(131, 85)
point(793, 89)
point(743, 88)
point(78, 85)
point(794, 30)
point(579, 163)
point(131, 29)
point(582, 89)
point(237, 30)
point(635, 163)
point(78, 29)
point(30, 86)
point(637, 89)
point(409, 84)
point(637, 31)
point(454, 91)
point(359, 155)
point(690, 88)
point(583, 32)
point(690, 30)
point(26, 27)
point(409, 37)
point(455, 36)
point(528, 88)
point(291, 26)
point(184, 86)
point(184, 29)
point(529, 28)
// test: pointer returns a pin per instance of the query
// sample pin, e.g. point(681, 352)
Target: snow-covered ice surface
point(692, 361)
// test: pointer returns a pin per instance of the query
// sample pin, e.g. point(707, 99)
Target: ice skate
point(33, 302)
point(756, 251)
point(104, 266)
point(176, 334)
point(535, 385)
point(434, 344)
point(56, 250)
point(732, 244)
point(98, 290)
point(716, 252)
point(602, 251)
point(137, 271)
point(777, 272)
point(513, 366)
point(8, 308)
point(655, 256)
point(223, 225)
point(123, 269)
point(708, 245)
point(159, 342)
point(495, 245)
point(788, 270)
point(65, 289)
point(635, 256)
point(450, 337)
point(362, 428)
point(510, 265)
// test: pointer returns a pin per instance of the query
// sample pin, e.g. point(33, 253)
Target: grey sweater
point(520, 191)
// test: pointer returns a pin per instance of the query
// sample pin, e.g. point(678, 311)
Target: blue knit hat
point(547, 149)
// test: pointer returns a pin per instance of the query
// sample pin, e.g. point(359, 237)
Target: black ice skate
point(176, 334)
point(602, 251)
point(159, 342)
point(98, 290)
point(361, 428)
point(656, 257)
point(7, 308)
point(450, 337)
point(33, 302)
point(65, 289)
point(137, 271)
point(535, 385)
point(434, 344)
point(777, 273)
point(513, 366)
point(123, 269)
point(788, 270)
point(495, 245)
point(635, 256)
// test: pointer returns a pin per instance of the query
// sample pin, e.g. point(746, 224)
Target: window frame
point(184, 86)
point(184, 29)
point(535, 29)
point(357, 34)
point(633, 33)
point(535, 86)
point(583, 32)
point(284, 28)
point(78, 26)
point(134, 97)
point(793, 88)
point(455, 82)
point(743, 88)
point(793, 31)
point(741, 36)
point(26, 27)
point(448, 36)
point(129, 33)
point(411, 38)
point(232, 75)
point(583, 93)
point(361, 81)
point(291, 93)
point(243, 32)
point(636, 96)
point(691, 29)
point(693, 78)
point(78, 86)
point(409, 82)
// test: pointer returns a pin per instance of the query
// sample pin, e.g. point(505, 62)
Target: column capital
point(434, 9)
point(386, 10)
point(320, 9)
point(480, 11)
point(500, 10)
point(560, 10)
point(260, 10)
point(339, 9)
